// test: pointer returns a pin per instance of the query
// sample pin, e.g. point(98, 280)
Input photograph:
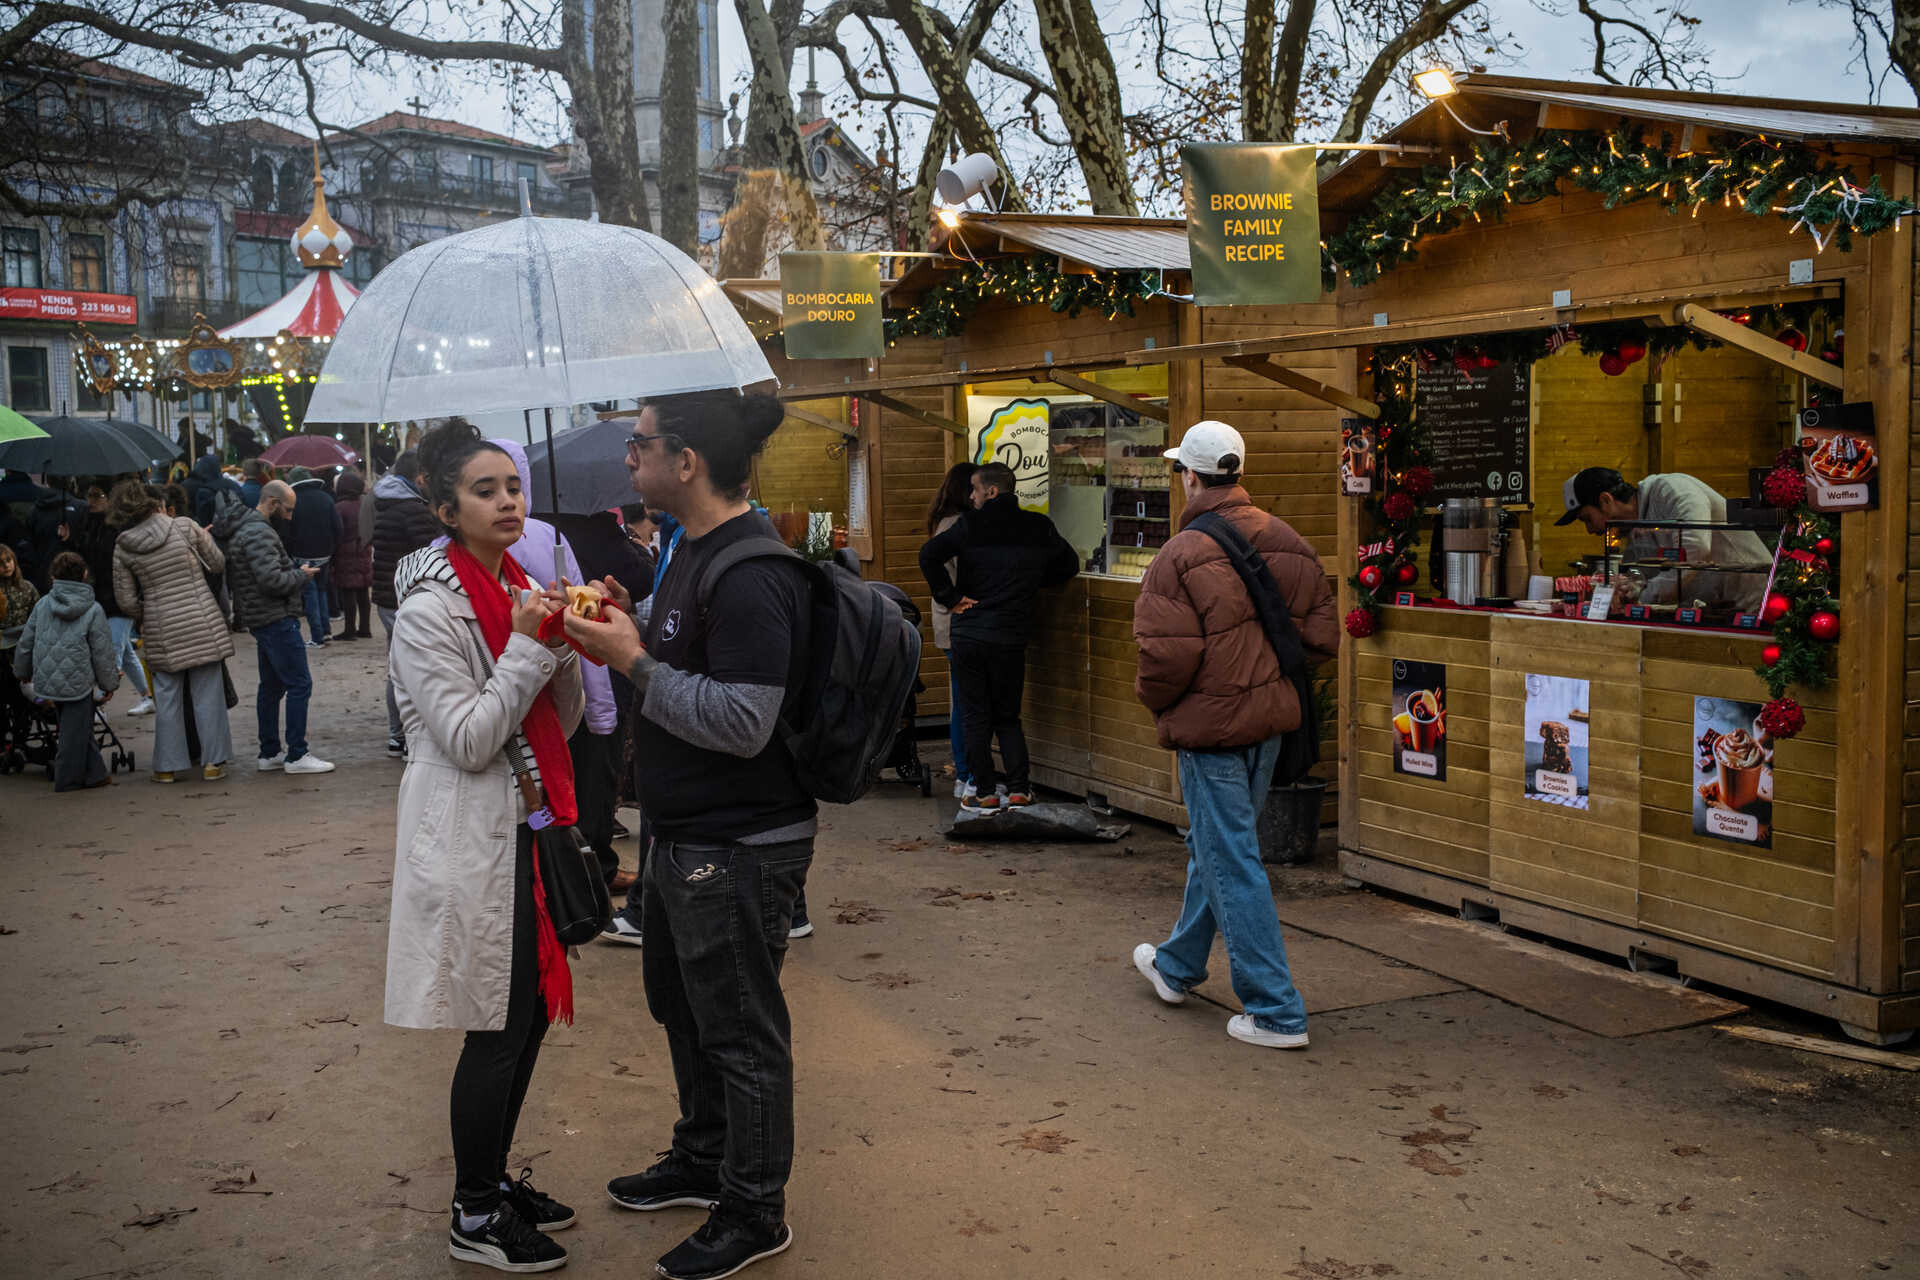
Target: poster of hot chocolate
point(1555, 739)
point(1732, 773)
point(1356, 455)
point(1420, 718)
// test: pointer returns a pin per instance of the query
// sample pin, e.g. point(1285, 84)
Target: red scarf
point(494, 612)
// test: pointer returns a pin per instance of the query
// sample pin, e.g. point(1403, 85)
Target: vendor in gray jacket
point(65, 653)
point(267, 588)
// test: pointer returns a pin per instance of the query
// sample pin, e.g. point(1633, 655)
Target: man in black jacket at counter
point(1005, 555)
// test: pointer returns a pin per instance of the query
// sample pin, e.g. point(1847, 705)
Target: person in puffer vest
point(65, 653)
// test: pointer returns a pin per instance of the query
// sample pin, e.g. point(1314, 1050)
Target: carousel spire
point(320, 241)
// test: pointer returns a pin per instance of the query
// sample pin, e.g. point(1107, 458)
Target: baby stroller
point(42, 742)
point(903, 758)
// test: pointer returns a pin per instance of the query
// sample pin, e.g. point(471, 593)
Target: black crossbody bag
point(578, 901)
point(1300, 748)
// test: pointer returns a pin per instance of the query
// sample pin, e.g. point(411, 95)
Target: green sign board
point(1253, 223)
point(830, 306)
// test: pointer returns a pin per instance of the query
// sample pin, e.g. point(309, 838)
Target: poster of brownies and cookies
point(1420, 718)
point(1556, 741)
point(1732, 773)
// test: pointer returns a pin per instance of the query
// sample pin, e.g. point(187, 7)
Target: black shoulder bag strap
point(1299, 750)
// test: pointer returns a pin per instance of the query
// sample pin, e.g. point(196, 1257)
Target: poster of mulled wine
point(1556, 740)
point(1420, 718)
point(1733, 773)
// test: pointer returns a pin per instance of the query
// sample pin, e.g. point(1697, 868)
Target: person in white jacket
point(468, 945)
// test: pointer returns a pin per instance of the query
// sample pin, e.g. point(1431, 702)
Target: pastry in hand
point(586, 601)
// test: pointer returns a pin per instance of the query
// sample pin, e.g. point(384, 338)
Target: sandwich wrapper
point(554, 627)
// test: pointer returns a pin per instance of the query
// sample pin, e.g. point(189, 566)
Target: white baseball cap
point(1204, 444)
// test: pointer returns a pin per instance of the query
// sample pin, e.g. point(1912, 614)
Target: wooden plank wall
point(1910, 790)
point(795, 472)
point(1582, 419)
point(907, 461)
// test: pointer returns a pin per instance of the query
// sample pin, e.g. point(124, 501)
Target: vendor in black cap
point(1600, 496)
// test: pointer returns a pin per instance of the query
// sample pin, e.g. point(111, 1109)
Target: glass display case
point(1109, 490)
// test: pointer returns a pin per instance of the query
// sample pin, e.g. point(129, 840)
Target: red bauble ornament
point(1361, 623)
point(1770, 655)
point(1397, 507)
point(1824, 547)
point(1485, 361)
point(1417, 482)
point(1613, 364)
point(1824, 625)
point(1792, 337)
point(1781, 718)
point(1784, 487)
point(1776, 608)
point(1370, 576)
point(1406, 575)
point(1632, 350)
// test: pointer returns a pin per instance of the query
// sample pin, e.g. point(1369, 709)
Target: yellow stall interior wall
point(795, 472)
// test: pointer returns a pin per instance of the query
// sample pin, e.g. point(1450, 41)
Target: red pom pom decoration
point(1484, 361)
point(1361, 623)
point(1793, 338)
point(1397, 507)
point(1781, 718)
point(1741, 317)
point(1632, 350)
point(1613, 364)
point(1417, 482)
point(1784, 488)
point(1824, 547)
point(1775, 608)
point(1406, 575)
point(1370, 576)
point(1770, 655)
point(1824, 625)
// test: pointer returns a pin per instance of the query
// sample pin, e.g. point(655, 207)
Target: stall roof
point(1102, 243)
point(764, 294)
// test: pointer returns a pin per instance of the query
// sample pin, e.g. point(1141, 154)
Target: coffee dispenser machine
point(1470, 540)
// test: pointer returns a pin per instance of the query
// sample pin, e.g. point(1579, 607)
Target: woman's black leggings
point(490, 1082)
point(356, 605)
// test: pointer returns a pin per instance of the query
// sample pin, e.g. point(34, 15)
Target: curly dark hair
point(727, 428)
point(130, 502)
point(69, 566)
point(444, 452)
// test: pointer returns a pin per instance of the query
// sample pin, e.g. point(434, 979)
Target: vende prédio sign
point(1253, 223)
point(64, 304)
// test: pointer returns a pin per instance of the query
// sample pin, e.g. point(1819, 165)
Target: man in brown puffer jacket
point(1210, 677)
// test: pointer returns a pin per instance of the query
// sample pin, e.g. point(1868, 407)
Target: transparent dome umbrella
point(533, 313)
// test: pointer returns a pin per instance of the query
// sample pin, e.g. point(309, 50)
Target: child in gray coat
point(65, 653)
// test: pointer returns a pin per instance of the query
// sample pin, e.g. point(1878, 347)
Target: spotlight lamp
point(1436, 83)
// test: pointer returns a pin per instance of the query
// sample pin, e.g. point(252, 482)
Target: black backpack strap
point(1276, 619)
point(754, 548)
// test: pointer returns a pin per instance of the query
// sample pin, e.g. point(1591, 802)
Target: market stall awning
point(312, 309)
point(1093, 241)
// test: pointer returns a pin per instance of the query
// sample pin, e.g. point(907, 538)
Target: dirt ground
point(196, 1081)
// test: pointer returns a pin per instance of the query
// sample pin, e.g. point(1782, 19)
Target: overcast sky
point(1762, 48)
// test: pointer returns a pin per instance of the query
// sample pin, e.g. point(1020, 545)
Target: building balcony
point(435, 188)
point(172, 317)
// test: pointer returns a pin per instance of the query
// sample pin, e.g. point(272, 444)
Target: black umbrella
point(75, 447)
point(592, 471)
point(156, 446)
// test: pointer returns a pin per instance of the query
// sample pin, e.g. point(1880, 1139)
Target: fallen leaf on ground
point(1435, 1163)
point(1050, 1141)
point(1684, 1150)
point(1548, 1091)
point(157, 1218)
point(1334, 1269)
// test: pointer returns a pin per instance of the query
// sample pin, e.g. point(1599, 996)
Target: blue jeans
point(1227, 888)
point(314, 597)
point(283, 674)
point(956, 725)
point(121, 630)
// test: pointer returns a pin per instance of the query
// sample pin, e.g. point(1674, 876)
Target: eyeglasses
point(637, 444)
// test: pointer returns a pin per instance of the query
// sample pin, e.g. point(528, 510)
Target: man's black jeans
point(992, 679)
point(715, 918)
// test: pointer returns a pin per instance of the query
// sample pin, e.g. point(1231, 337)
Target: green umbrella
point(15, 427)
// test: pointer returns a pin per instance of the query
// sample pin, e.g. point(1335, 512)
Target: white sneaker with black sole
point(624, 929)
point(504, 1242)
point(1143, 960)
point(1242, 1028)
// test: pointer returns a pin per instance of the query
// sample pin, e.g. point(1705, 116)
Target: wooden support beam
point(812, 419)
point(1088, 387)
point(1268, 368)
point(1702, 320)
point(906, 410)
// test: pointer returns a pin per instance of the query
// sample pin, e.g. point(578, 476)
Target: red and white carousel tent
point(314, 307)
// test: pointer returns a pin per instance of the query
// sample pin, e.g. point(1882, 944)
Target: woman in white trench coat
point(467, 948)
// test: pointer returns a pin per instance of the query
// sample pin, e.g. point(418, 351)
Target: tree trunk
point(1256, 72)
point(932, 159)
point(1089, 100)
point(1427, 25)
point(1904, 47)
point(680, 128)
point(949, 80)
point(602, 90)
point(1289, 63)
point(770, 88)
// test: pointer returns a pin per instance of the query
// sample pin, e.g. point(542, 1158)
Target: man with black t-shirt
point(732, 827)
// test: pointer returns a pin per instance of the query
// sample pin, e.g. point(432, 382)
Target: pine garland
point(943, 310)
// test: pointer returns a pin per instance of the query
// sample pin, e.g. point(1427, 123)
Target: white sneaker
point(622, 930)
point(1241, 1027)
point(309, 764)
point(144, 707)
point(1143, 956)
point(960, 786)
point(267, 764)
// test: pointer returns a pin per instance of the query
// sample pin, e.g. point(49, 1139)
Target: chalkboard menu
point(1477, 436)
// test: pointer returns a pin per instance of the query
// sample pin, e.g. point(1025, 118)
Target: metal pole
point(553, 488)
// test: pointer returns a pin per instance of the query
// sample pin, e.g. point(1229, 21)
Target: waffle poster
point(1253, 223)
point(1556, 741)
point(1732, 773)
point(1420, 719)
point(1841, 456)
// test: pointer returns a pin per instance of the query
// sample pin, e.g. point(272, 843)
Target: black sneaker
point(397, 748)
point(541, 1211)
point(722, 1246)
point(670, 1183)
point(505, 1242)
